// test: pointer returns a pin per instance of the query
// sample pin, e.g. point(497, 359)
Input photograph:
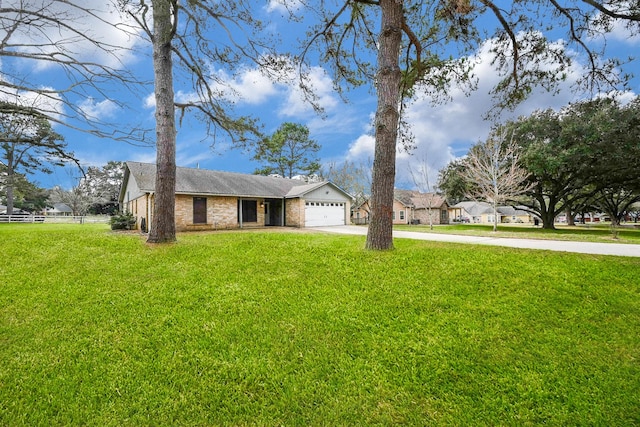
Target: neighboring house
point(209, 200)
point(409, 207)
point(515, 214)
point(360, 214)
point(420, 206)
point(482, 213)
point(59, 209)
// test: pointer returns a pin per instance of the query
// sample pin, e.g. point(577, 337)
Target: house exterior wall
point(518, 218)
point(326, 193)
point(222, 213)
point(401, 213)
point(438, 216)
point(141, 207)
point(294, 212)
point(361, 214)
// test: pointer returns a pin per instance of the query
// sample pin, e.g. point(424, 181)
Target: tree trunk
point(495, 216)
point(9, 188)
point(163, 224)
point(548, 219)
point(380, 233)
point(569, 214)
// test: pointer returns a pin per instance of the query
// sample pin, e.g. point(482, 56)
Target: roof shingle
point(208, 182)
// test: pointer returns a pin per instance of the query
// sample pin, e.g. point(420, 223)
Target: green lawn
point(585, 233)
point(286, 328)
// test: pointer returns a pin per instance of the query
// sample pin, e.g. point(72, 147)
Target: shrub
point(123, 221)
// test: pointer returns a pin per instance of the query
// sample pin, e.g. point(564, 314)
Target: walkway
point(617, 249)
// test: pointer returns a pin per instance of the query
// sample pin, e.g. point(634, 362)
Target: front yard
point(269, 328)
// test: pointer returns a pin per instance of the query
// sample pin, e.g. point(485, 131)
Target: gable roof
point(513, 210)
point(60, 208)
point(217, 183)
point(418, 200)
point(474, 208)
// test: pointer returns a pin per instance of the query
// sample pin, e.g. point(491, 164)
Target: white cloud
point(98, 110)
point(445, 131)
point(321, 84)
point(624, 34)
point(50, 104)
point(99, 23)
point(149, 101)
point(362, 148)
point(253, 87)
point(624, 31)
point(284, 6)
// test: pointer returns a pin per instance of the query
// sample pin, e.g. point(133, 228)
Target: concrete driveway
point(617, 249)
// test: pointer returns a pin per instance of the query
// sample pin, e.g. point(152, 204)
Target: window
point(393, 215)
point(401, 215)
point(249, 210)
point(199, 210)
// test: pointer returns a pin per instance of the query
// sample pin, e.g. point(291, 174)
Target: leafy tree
point(452, 183)
point(103, 185)
point(27, 196)
point(288, 152)
point(96, 191)
point(494, 168)
point(610, 165)
point(552, 161)
point(586, 150)
point(616, 203)
point(28, 144)
point(413, 40)
point(581, 157)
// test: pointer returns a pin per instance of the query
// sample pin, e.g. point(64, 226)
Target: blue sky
point(443, 132)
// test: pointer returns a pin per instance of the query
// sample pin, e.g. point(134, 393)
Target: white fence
point(90, 219)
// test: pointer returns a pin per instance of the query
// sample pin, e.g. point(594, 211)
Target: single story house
point(515, 214)
point(409, 207)
point(59, 209)
point(482, 213)
point(421, 206)
point(210, 200)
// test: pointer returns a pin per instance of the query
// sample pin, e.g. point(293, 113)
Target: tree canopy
point(28, 144)
point(585, 155)
point(288, 152)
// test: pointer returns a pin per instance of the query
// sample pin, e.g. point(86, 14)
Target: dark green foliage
point(123, 221)
point(27, 144)
point(582, 158)
point(288, 152)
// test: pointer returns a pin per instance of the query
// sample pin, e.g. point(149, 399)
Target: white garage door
point(323, 213)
